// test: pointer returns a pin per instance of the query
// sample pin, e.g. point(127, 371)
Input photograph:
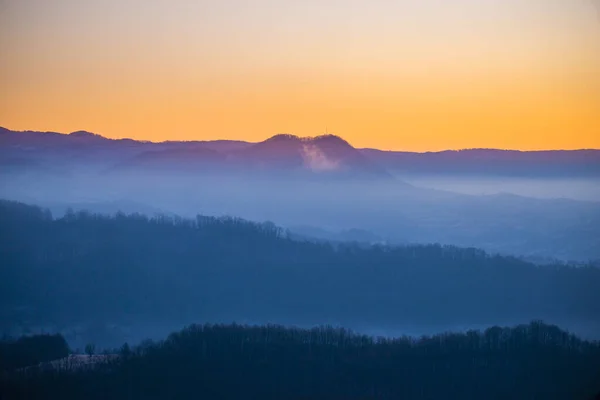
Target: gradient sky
point(394, 74)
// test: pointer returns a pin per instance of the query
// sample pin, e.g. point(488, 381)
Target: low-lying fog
point(585, 189)
point(536, 226)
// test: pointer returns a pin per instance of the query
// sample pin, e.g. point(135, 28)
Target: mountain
point(33, 140)
point(491, 162)
point(322, 156)
point(325, 155)
point(281, 155)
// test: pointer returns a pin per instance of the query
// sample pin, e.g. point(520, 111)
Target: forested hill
point(121, 268)
point(534, 361)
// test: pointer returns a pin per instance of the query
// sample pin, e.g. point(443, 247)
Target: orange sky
point(405, 74)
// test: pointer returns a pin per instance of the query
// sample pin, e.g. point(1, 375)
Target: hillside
point(134, 270)
point(274, 362)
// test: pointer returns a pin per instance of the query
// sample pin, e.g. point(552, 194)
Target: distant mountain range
point(321, 156)
point(485, 162)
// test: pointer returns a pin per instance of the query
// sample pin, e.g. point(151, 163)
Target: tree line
point(31, 350)
point(534, 361)
point(85, 266)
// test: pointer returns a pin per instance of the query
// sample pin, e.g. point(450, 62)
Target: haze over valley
point(533, 204)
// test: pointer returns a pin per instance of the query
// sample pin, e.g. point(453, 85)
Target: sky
point(417, 75)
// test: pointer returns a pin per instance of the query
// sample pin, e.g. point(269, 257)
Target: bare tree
point(90, 349)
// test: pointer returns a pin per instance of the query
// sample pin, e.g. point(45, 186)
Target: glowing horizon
point(405, 75)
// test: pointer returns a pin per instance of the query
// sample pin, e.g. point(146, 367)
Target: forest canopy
point(109, 268)
point(534, 361)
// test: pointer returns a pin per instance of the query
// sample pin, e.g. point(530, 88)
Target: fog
point(541, 225)
point(585, 189)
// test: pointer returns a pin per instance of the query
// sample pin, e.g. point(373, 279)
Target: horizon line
point(300, 137)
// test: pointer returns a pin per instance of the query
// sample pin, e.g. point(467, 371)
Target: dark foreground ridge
point(534, 361)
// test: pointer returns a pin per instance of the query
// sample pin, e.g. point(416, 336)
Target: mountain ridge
point(325, 154)
point(84, 133)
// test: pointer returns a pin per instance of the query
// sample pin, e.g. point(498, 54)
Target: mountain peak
point(84, 134)
point(330, 139)
point(283, 137)
point(326, 139)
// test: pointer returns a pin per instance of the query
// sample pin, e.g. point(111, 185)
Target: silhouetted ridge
point(282, 137)
point(285, 152)
point(84, 134)
point(490, 162)
point(325, 156)
point(329, 139)
point(324, 139)
point(534, 361)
